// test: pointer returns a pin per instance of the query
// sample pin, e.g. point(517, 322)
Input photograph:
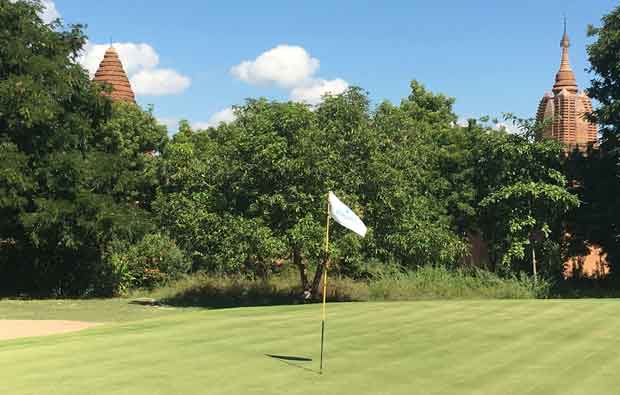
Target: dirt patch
point(13, 329)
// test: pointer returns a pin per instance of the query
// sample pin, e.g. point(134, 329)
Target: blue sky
point(492, 56)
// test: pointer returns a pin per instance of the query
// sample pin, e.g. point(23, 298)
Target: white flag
point(345, 216)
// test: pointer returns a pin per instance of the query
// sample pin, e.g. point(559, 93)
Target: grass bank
point(426, 283)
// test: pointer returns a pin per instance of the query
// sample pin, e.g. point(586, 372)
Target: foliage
point(527, 209)
point(254, 190)
point(604, 56)
point(598, 173)
point(72, 164)
point(523, 198)
point(91, 190)
point(135, 139)
point(440, 283)
point(153, 261)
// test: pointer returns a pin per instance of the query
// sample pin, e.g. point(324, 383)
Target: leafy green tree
point(411, 178)
point(600, 185)
point(230, 194)
point(247, 195)
point(72, 166)
point(136, 139)
point(604, 56)
point(523, 199)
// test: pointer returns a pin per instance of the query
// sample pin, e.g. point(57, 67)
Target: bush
point(440, 283)
point(154, 261)
point(209, 291)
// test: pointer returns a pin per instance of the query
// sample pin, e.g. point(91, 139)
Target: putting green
point(479, 347)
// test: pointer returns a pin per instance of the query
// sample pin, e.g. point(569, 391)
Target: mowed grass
point(472, 347)
point(90, 310)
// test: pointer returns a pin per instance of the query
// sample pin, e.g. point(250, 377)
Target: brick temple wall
point(593, 265)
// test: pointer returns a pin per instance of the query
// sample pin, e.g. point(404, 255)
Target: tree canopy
point(95, 197)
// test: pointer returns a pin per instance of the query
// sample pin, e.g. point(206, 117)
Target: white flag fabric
point(345, 216)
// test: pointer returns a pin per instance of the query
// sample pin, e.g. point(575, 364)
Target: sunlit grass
point(484, 347)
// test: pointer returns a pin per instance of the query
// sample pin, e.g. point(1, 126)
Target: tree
point(523, 198)
point(135, 138)
point(411, 181)
point(72, 164)
point(604, 56)
point(246, 196)
point(601, 185)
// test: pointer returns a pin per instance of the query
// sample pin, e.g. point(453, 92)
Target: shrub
point(440, 283)
point(218, 291)
point(154, 261)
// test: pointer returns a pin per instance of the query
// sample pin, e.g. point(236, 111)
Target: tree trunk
point(311, 291)
point(306, 292)
point(316, 282)
point(534, 265)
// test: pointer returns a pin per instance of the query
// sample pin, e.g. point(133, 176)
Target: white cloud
point(200, 125)
point(140, 62)
point(159, 82)
point(49, 12)
point(463, 122)
point(284, 65)
point(313, 92)
point(290, 67)
point(170, 123)
point(507, 126)
point(226, 115)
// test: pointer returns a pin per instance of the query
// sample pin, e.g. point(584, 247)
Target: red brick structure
point(565, 108)
point(593, 265)
point(111, 72)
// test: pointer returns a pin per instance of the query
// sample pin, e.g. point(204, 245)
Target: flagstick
point(325, 263)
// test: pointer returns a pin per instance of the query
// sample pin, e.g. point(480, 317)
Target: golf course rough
point(439, 347)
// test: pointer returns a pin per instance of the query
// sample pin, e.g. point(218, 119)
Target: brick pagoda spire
point(565, 107)
point(111, 72)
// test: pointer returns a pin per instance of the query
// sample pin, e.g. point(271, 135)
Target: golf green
point(439, 347)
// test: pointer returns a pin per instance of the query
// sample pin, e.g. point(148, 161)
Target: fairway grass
point(442, 347)
point(90, 310)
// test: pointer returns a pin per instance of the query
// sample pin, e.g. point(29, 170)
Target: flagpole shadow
point(291, 359)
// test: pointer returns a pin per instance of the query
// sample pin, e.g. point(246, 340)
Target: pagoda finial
point(565, 43)
point(565, 23)
point(565, 78)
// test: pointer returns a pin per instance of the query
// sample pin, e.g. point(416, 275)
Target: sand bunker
point(13, 329)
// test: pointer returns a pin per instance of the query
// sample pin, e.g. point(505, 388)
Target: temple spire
point(111, 72)
point(565, 41)
point(565, 78)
